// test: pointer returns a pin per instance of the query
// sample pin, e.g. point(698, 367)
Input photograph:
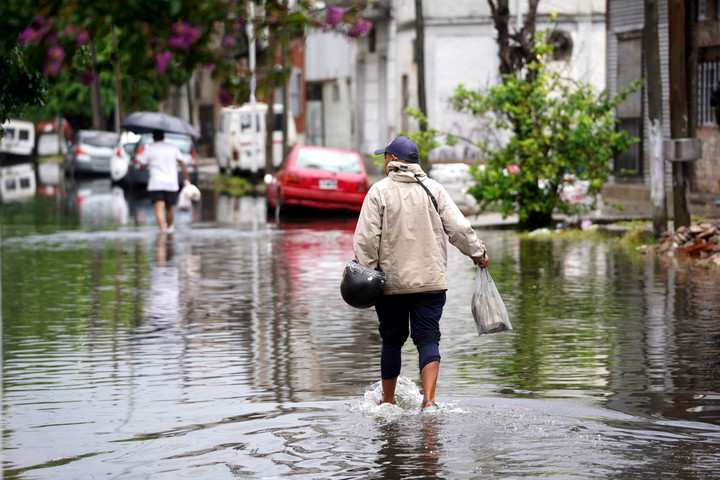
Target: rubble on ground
point(700, 241)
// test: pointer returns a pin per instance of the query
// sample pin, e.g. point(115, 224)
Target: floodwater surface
point(224, 350)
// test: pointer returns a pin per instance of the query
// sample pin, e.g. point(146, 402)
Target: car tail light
point(78, 150)
point(118, 153)
point(292, 177)
point(137, 154)
point(363, 186)
point(193, 156)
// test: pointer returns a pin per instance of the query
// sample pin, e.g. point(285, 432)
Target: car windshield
point(328, 160)
point(99, 139)
point(182, 142)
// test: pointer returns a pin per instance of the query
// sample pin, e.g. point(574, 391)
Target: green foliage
point(558, 132)
point(233, 186)
point(426, 139)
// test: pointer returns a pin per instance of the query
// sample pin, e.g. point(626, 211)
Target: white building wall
point(328, 60)
point(460, 47)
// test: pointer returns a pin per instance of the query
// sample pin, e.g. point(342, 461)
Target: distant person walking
point(161, 159)
point(403, 228)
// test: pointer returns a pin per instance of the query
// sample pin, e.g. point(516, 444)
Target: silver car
point(91, 152)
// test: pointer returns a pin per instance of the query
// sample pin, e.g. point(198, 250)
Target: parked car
point(319, 178)
point(90, 153)
point(120, 161)
point(18, 144)
point(138, 176)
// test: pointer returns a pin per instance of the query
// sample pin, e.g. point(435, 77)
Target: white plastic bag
point(487, 306)
point(184, 202)
point(187, 195)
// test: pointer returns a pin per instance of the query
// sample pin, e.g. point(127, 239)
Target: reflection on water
point(224, 350)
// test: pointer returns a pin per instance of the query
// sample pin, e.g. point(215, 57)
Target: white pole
point(518, 15)
point(253, 107)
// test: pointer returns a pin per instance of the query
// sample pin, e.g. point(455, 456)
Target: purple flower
point(161, 61)
point(183, 36)
point(52, 68)
point(334, 16)
point(55, 57)
point(26, 35)
point(179, 28)
point(82, 38)
point(228, 42)
point(178, 43)
point(226, 98)
point(39, 20)
point(56, 54)
point(361, 27)
point(192, 35)
point(87, 77)
point(69, 30)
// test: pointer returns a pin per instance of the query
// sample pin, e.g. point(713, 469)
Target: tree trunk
point(501, 18)
point(98, 119)
point(514, 58)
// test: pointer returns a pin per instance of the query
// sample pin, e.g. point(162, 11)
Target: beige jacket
point(400, 231)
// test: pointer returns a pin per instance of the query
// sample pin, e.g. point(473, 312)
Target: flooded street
point(224, 350)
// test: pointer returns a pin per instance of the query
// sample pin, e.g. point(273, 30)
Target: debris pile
point(699, 241)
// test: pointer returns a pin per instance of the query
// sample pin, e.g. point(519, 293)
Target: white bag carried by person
point(487, 306)
point(189, 193)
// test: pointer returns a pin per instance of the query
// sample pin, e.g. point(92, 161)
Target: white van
point(17, 182)
point(234, 138)
point(18, 144)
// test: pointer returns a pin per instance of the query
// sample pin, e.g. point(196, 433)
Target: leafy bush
point(558, 132)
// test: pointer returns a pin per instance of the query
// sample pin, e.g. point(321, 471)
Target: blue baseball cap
point(403, 148)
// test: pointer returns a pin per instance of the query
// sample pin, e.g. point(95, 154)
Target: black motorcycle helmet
point(361, 287)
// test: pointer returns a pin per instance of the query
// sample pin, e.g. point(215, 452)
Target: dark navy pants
point(416, 315)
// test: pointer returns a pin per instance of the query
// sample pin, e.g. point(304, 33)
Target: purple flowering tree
point(154, 45)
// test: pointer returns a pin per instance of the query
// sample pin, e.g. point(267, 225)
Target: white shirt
point(161, 159)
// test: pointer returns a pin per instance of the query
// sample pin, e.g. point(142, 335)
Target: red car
point(318, 177)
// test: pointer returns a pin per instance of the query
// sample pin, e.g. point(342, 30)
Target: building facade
point(689, 40)
point(377, 76)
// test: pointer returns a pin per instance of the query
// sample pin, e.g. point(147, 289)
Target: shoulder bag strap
point(429, 194)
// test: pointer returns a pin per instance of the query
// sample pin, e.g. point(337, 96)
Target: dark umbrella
point(147, 122)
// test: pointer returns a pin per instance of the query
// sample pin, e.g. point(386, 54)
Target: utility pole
point(657, 161)
point(679, 111)
point(420, 57)
point(287, 76)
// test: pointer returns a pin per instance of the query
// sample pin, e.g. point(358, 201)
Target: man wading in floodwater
point(402, 230)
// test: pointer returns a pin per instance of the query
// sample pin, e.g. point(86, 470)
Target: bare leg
point(388, 386)
point(170, 215)
point(429, 376)
point(160, 215)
